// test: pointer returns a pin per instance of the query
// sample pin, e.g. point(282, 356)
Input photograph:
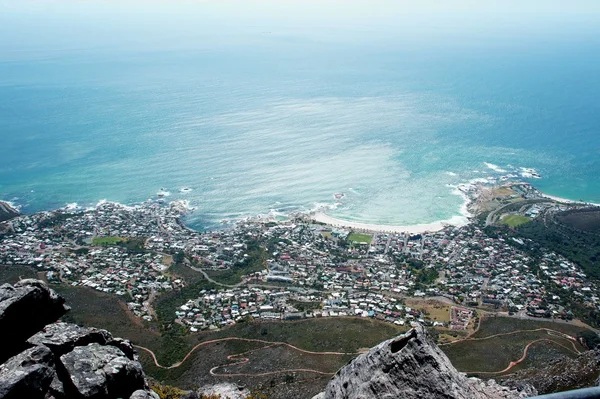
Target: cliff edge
point(411, 366)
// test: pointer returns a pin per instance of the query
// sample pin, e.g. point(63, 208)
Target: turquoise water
point(281, 124)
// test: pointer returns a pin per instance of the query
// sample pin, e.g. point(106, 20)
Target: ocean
point(281, 123)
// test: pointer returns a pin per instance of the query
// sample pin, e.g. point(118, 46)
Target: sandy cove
point(322, 217)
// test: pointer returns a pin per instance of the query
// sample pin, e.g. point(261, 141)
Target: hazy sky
point(98, 23)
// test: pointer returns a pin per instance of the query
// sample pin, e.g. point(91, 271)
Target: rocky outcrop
point(7, 212)
point(27, 375)
point(25, 309)
point(223, 390)
point(411, 366)
point(54, 360)
point(97, 371)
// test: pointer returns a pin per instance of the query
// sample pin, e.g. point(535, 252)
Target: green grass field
point(107, 240)
point(515, 220)
point(360, 238)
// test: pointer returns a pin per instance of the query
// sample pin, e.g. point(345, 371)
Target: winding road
point(512, 364)
point(206, 276)
point(516, 362)
point(246, 360)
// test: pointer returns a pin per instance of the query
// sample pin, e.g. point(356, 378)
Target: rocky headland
point(7, 211)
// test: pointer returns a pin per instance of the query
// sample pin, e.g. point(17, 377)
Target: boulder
point(27, 375)
point(224, 390)
point(141, 394)
point(60, 360)
point(411, 366)
point(97, 371)
point(25, 309)
point(63, 337)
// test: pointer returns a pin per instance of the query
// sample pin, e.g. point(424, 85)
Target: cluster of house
point(218, 308)
point(460, 318)
point(70, 246)
point(479, 270)
point(128, 250)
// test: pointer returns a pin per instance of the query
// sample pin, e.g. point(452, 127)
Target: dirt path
point(548, 330)
point(245, 360)
point(206, 276)
point(522, 358)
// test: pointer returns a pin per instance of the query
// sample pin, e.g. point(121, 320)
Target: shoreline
point(322, 217)
point(319, 215)
point(457, 221)
point(568, 201)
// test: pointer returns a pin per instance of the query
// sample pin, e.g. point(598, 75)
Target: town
point(306, 269)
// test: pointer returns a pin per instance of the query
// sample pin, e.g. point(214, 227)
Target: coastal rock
point(27, 375)
point(97, 371)
point(7, 212)
point(411, 366)
point(26, 308)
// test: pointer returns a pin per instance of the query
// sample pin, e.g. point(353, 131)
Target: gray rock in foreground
point(27, 375)
point(60, 360)
point(411, 366)
point(224, 390)
point(25, 309)
point(61, 338)
point(98, 371)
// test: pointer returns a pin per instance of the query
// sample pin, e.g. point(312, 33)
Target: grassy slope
point(321, 334)
point(495, 354)
point(11, 274)
point(93, 308)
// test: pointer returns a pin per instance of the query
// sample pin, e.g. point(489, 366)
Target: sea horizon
point(377, 123)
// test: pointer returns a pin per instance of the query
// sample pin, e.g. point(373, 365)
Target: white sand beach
point(322, 217)
point(568, 201)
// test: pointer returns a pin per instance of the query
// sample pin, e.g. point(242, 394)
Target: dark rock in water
point(27, 375)
point(411, 366)
point(7, 212)
point(97, 371)
point(25, 309)
point(60, 360)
